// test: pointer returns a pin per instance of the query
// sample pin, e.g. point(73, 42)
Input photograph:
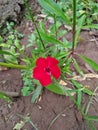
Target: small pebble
point(63, 115)
point(39, 107)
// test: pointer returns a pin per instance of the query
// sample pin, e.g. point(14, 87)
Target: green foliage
point(91, 125)
point(91, 26)
point(28, 82)
point(80, 23)
point(19, 125)
point(51, 41)
point(92, 118)
point(36, 93)
point(92, 63)
point(53, 9)
point(79, 98)
point(26, 119)
point(61, 89)
point(5, 52)
point(4, 97)
point(10, 65)
point(87, 7)
point(57, 89)
point(10, 44)
point(78, 69)
point(83, 88)
point(31, 86)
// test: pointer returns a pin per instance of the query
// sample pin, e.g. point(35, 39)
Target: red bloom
point(45, 68)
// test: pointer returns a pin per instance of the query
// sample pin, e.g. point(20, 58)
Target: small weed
point(9, 42)
point(26, 119)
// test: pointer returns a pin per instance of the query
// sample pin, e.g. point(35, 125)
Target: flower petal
point(38, 72)
point(46, 80)
point(41, 62)
point(51, 61)
point(55, 71)
point(42, 76)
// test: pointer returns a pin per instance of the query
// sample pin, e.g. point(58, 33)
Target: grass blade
point(92, 63)
point(78, 69)
point(92, 118)
point(79, 98)
point(4, 97)
point(6, 53)
point(36, 94)
point(79, 27)
point(91, 125)
point(91, 26)
point(51, 6)
point(80, 86)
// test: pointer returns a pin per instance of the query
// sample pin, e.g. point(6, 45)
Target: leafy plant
point(87, 7)
point(25, 119)
point(11, 44)
point(29, 86)
point(49, 43)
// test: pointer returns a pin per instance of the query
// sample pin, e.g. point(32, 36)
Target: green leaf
point(78, 69)
point(56, 89)
point(19, 125)
point(37, 93)
point(1, 39)
point(91, 26)
point(92, 63)
point(42, 27)
point(51, 39)
point(92, 118)
point(79, 27)
point(53, 8)
point(91, 125)
point(6, 53)
point(17, 44)
point(25, 91)
point(80, 86)
point(5, 97)
point(79, 98)
point(60, 89)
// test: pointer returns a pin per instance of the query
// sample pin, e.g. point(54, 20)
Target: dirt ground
point(44, 111)
point(50, 105)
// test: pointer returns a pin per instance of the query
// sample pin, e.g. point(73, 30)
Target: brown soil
point(50, 105)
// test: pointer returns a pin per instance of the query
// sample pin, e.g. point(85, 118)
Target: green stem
point(55, 27)
point(9, 65)
point(27, 120)
point(10, 94)
point(33, 125)
point(33, 20)
point(74, 24)
point(75, 102)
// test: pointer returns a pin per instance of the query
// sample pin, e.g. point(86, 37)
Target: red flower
point(45, 68)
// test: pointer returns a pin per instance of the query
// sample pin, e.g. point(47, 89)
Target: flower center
point(47, 70)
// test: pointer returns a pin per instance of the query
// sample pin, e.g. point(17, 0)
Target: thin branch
point(74, 24)
point(33, 20)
